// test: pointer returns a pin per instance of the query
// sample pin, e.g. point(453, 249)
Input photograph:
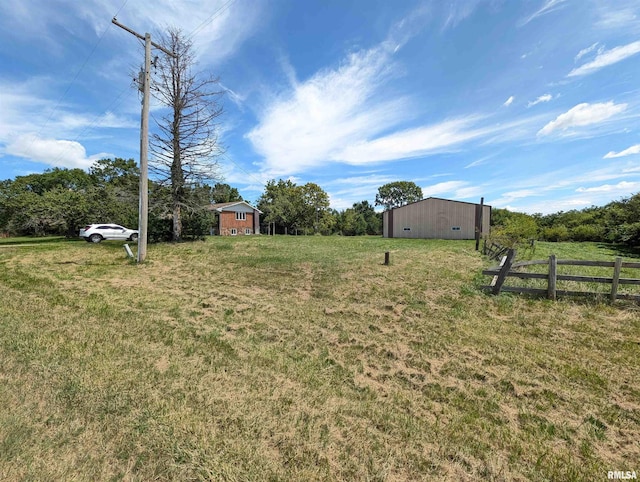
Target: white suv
point(95, 233)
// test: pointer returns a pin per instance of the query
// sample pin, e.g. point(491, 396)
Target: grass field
point(305, 358)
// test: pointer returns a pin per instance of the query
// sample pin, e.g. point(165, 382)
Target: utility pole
point(143, 209)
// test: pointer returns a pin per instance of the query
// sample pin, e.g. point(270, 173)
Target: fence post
point(553, 273)
point(502, 274)
point(386, 258)
point(616, 278)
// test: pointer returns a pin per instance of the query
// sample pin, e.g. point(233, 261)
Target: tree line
point(618, 222)
point(60, 201)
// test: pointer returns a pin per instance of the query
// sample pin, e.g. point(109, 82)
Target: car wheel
point(95, 238)
point(134, 237)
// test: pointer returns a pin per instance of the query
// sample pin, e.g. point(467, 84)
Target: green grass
point(579, 251)
point(305, 358)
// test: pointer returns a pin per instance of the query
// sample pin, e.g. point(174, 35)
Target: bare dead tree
point(186, 146)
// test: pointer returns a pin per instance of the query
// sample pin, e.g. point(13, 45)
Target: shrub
point(588, 232)
point(556, 233)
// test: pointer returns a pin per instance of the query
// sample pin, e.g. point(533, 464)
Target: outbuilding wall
point(435, 218)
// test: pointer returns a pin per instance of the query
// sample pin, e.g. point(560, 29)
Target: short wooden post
point(504, 271)
point(553, 273)
point(386, 258)
point(616, 278)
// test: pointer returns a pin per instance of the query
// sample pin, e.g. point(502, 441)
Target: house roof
point(229, 206)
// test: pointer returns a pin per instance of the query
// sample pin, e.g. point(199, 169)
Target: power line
point(75, 77)
point(95, 122)
point(213, 16)
point(262, 183)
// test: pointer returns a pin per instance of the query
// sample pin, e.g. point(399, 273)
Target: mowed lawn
point(305, 358)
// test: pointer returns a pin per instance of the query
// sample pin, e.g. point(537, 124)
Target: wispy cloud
point(582, 115)
point(453, 189)
point(617, 16)
point(509, 101)
point(313, 121)
point(548, 7)
point(440, 137)
point(218, 30)
point(542, 98)
point(627, 152)
point(605, 58)
point(586, 51)
point(623, 186)
point(458, 11)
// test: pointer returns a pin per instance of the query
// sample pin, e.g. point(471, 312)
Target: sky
point(533, 105)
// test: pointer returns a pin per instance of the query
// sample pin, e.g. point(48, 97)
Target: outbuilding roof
point(437, 199)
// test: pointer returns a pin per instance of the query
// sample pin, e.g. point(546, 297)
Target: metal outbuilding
point(436, 218)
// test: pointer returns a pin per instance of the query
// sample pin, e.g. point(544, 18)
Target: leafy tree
point(373, 220)
point(224, 193)
point(314, 206)
point(186, 146)
point(278, 203)
point(116, 172)
point(295, 207)
point(60, 201)
point(351, 223)
point(398, 193)
point(516, 229)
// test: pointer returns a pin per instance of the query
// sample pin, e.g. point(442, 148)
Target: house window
point(241, 216)
point(234, 231)
point(247, 231)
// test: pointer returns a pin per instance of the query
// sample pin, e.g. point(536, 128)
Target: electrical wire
point(95, 123)
point(213, 16)
point(75, 77)
point(73, 80)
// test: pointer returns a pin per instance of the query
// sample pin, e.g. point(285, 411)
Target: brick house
point(235, 219)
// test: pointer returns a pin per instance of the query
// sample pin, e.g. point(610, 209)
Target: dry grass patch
point(304, 359)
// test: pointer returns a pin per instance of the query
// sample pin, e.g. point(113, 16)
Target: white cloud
point(311, 123)
point(623, 186)
point(218, 27)
point(509, 101)
point(582, 115)
point(548, 7)
point(447, 187)
point(617, 16)
point(53, 152)
point(458, 11)
point(606, 58)
point(441, 137)
point(542, 98)
point(627, 152)
point(586, 51)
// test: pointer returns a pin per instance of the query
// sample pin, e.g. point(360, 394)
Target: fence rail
point(509, 269)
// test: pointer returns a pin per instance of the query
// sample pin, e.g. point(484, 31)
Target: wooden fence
point(508, 269)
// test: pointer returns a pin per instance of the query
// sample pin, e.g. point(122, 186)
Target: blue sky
point(533, 105)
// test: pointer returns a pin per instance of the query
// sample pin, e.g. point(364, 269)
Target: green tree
point(314, 207)
point(373, 220)
point(398, 193)
point(278, 203)
point(293, 207)
point(224, 193)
